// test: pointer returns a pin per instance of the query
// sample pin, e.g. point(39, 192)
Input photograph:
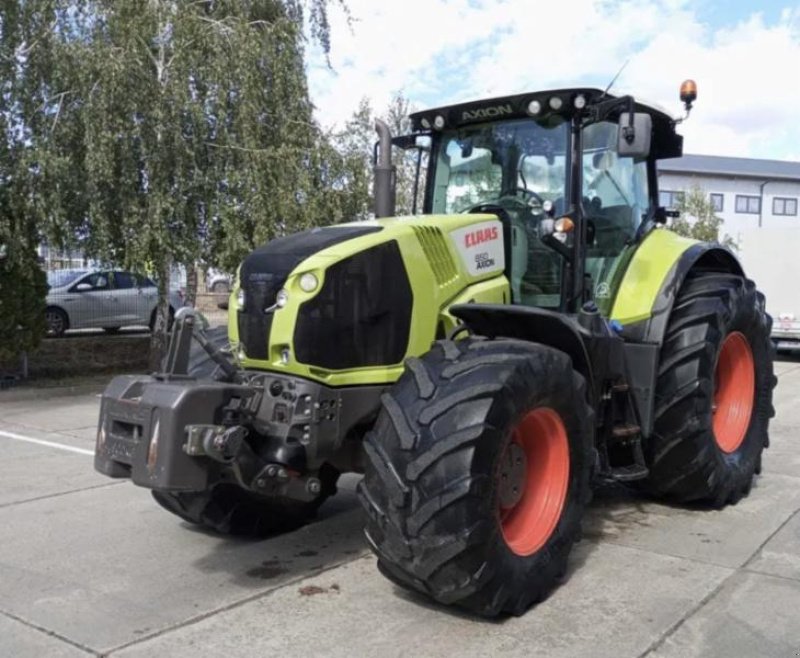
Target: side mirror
point(223, 305)
point(635, 133)
point(83, 287)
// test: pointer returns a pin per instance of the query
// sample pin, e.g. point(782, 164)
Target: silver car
point(101, 299)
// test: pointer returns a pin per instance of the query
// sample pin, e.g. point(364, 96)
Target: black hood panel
point(280, 256)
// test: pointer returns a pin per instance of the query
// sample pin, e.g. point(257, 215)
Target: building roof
point(717, 165)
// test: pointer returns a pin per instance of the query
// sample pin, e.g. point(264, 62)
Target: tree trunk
point(191, 285)
point(160, 329)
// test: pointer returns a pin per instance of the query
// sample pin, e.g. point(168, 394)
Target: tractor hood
point(353, 296)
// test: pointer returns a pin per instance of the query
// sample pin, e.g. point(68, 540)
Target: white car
point(101, 299)
point(218, 282)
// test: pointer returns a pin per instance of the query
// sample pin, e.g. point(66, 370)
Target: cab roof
point(666, 142)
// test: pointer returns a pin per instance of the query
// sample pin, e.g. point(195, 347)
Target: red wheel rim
point(735, 386)
point(539, 446)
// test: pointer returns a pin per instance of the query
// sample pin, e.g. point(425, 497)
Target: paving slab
point(81, 439)
point(55, 414)
point(752, 615)
point(727, 537)
point(780, 556)
point(22, 641)
point(29, 472)
point(783, 456)
point(615, 601)
point(104, 567)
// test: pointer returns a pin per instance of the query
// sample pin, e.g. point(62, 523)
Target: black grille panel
point(362, 315)
point(254, 324)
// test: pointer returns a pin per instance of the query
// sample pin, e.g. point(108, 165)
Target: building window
point(717, 202)
point(784, 206)
point(750, 205)
point(669, 199)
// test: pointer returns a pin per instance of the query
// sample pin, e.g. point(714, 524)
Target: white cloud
point(441, 51)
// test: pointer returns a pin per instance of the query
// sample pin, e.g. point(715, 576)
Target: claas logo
point(478, 237)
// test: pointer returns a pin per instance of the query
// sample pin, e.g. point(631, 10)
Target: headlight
point(308, 282)
point(282, 298)
point(240, 299)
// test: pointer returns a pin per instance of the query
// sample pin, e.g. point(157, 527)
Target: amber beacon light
point(688, 93)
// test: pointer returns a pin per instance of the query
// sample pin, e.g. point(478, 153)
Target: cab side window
point(616, 200)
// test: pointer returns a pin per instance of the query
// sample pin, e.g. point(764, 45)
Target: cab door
point(616, 200)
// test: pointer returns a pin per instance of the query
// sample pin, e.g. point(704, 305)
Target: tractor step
point(625, 431)
point(628, 473)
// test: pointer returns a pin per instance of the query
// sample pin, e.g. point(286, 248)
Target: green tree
point(699, 220)
point(24, 53)
point(173, 132)
point(405, 161)
point(355, 144)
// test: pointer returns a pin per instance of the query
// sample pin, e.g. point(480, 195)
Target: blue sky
point(745, 57)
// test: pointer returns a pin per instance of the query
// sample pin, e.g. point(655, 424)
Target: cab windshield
point(504, 163)
point(520, 166)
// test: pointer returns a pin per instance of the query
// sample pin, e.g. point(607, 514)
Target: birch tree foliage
point(169, 132)
point(355, 144)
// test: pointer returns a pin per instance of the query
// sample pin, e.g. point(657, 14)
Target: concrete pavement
point(93, 566)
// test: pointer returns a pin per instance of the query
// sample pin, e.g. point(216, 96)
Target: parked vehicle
point(770, 256)
point(218, 282)
point(101, 299)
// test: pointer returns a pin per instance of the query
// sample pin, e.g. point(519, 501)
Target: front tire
point(230, 510)
point(56, 320)
point(227, 508)
point(713, 393)
point(477, 474)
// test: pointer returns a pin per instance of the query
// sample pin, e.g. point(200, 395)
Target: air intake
point(434, 245)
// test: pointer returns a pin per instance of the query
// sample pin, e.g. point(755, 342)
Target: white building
point(746, 193)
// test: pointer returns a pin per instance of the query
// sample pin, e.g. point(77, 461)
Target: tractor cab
point(571, 174)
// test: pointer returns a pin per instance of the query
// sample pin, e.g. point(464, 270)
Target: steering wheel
point(530, 194)
point(510, 202)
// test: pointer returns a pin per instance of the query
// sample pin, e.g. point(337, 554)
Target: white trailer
point(771, 258)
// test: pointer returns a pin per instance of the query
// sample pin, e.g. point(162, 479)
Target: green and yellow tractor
point(534, 331)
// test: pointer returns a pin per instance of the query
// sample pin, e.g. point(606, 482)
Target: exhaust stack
point(384, 184)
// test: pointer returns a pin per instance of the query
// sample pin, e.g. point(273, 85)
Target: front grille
point(362, 315)
point(254, 324)
point(437, 254)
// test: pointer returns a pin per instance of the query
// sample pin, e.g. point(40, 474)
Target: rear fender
point(654, 278)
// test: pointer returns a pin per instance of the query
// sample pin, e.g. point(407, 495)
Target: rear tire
point(713, 392)
point(440, 515)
